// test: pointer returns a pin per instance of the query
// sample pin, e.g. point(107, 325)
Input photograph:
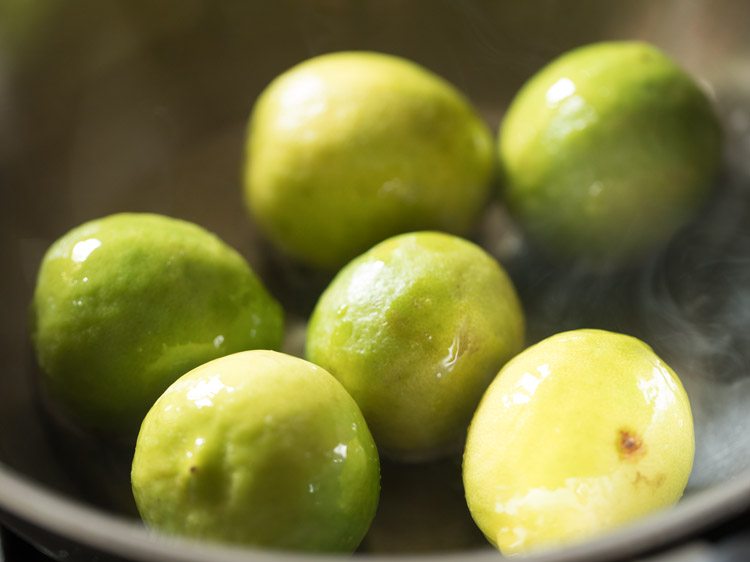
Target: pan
point(109, 106)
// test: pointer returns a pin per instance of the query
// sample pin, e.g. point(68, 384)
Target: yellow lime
point(581, 433)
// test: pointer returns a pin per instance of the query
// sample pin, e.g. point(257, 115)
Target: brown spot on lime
point(193, 469)
point(630, 446)
point(654, 481)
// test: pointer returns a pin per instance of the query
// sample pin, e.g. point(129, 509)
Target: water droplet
point(451, 358)
point(340, 451)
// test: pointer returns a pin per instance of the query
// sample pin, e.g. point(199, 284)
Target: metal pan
point(108, 105)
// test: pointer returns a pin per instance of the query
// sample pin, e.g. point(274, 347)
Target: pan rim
point(51, 511)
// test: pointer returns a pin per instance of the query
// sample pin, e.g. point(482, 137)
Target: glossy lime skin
point(607, 152)
point(347, 149)
point(125, 304)
point(415, 329)
point(579, 434)
point(258, 448)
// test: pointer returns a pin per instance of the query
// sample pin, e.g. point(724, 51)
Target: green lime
point(415, 329)
point(607, 152)
point(347, 149)
point(258, 448)
point(583, 432)
point(125, 304)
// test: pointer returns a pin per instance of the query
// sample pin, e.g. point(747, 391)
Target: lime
point(415, 329)
point(125, 304)
point(258, 448)
point(347, 149)
point(607, 152)
point(581, 433)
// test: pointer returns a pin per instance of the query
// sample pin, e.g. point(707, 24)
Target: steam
point(691, 303)
point(695, 304)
